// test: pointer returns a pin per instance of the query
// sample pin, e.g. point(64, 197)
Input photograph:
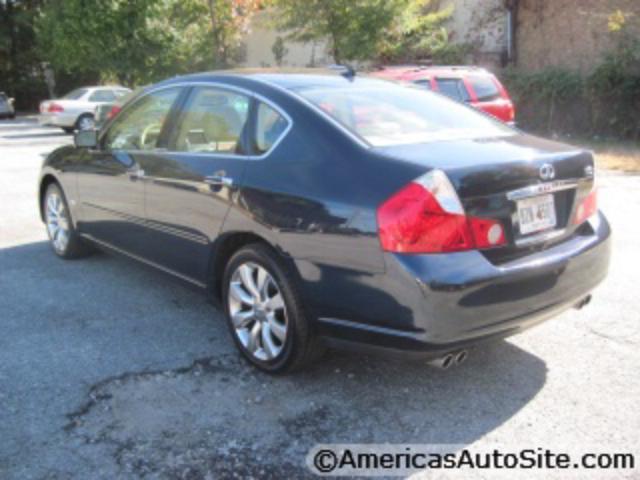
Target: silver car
point(76, 110)
point(6, 106)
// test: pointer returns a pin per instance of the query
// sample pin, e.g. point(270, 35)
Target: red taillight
point(587, 207)
point(511, 112)
point(113, 112)
point(426, 217)
point(55, 108)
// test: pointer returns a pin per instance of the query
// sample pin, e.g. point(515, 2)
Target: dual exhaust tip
point(456, 358)
point(449, 359)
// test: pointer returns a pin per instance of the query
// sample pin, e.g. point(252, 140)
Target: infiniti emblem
point(547, 172)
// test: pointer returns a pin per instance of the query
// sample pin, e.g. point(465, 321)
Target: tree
point(229, 22)
point(418, 33)
point(19, 63)
point(141, 41)
point(279, 50)
point(387, 30)
point(353, 28)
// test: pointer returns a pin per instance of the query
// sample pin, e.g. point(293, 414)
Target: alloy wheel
point(257, 310)
point(57, 222)
point(86, 123)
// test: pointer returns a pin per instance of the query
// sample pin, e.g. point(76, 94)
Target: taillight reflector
point(113, 112)
point(587, 207)
point(426, 216)
point(55, 108)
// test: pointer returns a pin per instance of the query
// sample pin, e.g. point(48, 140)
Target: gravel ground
point(109, 370)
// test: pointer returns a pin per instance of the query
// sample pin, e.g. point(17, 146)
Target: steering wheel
point(150, 130)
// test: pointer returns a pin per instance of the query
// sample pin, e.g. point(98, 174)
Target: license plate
point(536, 214)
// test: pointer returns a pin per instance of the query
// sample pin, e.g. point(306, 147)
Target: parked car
point(76, 110)
point(6, 106)
point(323, 210)
point(472, 85)
point(106, 111)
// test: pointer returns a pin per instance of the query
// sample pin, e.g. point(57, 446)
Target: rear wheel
point(64, 239)
point(68, 129)
point(265, 313)
point(85, 122)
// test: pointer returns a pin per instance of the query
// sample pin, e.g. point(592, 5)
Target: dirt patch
point(613, 155)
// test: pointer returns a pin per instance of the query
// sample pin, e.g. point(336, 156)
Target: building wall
point(568, 33)
point(262, 36)
point(482, 25)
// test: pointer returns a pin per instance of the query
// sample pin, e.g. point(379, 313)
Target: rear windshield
point(75, 94)
point(401, 115)
point(485, 88)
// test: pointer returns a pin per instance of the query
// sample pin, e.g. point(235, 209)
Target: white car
point(76, 110)
point(6, 106)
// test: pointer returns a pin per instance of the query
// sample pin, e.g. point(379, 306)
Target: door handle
point(219, 180)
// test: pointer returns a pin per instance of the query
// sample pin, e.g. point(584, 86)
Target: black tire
point(84, 117)
point(74, 247)
point(68, 130)
point(301, 346)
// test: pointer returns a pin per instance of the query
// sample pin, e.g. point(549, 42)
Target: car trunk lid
point(531, 185)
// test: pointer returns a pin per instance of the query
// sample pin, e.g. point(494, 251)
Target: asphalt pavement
point(109, 370)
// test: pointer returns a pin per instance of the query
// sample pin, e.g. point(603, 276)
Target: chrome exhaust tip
point(443, 362)
point(583, 303)
point(461, 356)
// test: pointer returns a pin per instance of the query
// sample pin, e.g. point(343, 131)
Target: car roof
point(451, 71)
point(103, 87)
point(289, 79)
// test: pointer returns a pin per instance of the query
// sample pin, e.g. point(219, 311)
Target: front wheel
point(64, 239)
point(265, 313)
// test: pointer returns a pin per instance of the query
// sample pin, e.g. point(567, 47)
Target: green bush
point(604, 103)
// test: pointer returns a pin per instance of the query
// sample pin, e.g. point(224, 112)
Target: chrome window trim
point(359, 140)
point(223, 86)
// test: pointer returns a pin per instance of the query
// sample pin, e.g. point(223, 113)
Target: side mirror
point(86, 138)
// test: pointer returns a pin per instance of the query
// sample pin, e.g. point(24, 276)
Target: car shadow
point(143, 364)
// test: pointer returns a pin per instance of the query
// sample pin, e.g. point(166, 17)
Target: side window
point(102, 96)
point(270, 126)
point(453, 88)
point(213, 122)
point(425, 83)
point(139, 127)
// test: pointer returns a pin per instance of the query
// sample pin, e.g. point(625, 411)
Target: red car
point(471, 85)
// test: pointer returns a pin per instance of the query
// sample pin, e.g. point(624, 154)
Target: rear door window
point(453, 88)
point(270, 127)
point(485, 88)
point(214, 121)
point(103, 96)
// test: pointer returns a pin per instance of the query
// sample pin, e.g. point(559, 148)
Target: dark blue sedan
point(327, 209)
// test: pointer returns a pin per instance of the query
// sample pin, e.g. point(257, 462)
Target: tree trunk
point(220, 56)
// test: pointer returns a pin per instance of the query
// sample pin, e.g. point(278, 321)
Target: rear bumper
point(450, 301)
point(57, 120)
